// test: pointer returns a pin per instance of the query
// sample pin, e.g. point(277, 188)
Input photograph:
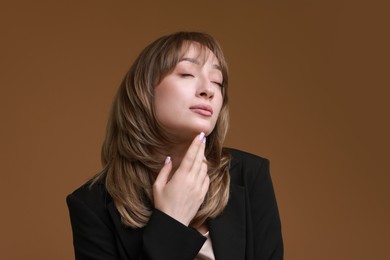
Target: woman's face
point(189, 99)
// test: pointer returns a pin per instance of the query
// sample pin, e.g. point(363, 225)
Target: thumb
point(163, 175)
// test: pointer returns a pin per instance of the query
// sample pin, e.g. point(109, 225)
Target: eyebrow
point(195, 61)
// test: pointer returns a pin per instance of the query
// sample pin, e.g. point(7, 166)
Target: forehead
point(199, 53)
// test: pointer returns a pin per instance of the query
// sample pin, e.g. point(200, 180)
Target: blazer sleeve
point(162, 238)
point(268, 243)
point(166, 238)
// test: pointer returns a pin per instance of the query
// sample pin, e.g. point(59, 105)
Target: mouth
point(204, 110)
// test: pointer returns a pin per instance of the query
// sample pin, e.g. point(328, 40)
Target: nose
point(205, 89)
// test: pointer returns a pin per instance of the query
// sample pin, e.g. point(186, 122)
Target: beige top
point(206, 252)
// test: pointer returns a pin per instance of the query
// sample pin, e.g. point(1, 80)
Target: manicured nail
point(204, 140)
point(167, 160)
point(201, 136)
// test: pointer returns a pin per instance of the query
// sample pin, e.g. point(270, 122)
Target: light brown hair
point(134, 138)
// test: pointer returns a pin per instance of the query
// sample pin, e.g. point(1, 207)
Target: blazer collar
point(131, 239)
point(227, 231)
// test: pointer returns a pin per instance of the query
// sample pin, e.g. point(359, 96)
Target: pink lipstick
point(204, 110)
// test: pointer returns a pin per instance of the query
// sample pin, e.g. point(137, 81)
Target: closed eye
point(218, 84)
point(184, 75)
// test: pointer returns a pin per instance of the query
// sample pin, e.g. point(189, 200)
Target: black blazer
point(249, 227)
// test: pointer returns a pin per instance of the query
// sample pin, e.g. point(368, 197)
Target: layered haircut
point(134, 143)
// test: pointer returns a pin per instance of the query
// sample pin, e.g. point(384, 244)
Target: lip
point(202, 109)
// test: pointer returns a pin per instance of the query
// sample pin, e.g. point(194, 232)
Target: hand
point(181, 196)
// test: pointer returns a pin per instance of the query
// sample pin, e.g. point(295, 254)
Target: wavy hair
point(130, 152)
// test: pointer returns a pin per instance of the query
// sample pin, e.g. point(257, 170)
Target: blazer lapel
point(131, 239)
point(227, 231)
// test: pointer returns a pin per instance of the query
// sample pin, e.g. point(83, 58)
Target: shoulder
point(245, 167)
point(246, 161)
point(94, 197)
point(239, 156)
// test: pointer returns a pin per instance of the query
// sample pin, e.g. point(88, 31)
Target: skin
point(194, 81)
point(182, 183)
point(181, 196)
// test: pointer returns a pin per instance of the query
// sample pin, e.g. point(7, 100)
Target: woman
point(168, 189)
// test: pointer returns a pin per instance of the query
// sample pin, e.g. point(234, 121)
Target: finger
point(200, 159)
point(191, 154)
point(205, 185)
point(203, 172)
point(163, 175)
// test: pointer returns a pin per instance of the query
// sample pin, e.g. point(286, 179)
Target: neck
point(177, 153)
point(176, 147)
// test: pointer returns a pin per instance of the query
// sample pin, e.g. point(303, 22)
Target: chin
point(205, 129)
point(189, 130)
point(190, 133)
point(206, 126)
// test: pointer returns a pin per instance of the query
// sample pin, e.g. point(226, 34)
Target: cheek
point(161, 103)
point(162, 95)
point(169, 103)
point(218, 102)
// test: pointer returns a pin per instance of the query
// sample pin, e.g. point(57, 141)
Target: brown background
point(309, 91)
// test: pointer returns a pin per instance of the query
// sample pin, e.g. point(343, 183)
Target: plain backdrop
point(309, 90)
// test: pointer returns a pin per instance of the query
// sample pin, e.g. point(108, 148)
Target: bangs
point(174, 48)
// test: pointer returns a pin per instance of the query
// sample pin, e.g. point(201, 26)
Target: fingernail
point(204, 140)
point(201, 136)
point(167, 160)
